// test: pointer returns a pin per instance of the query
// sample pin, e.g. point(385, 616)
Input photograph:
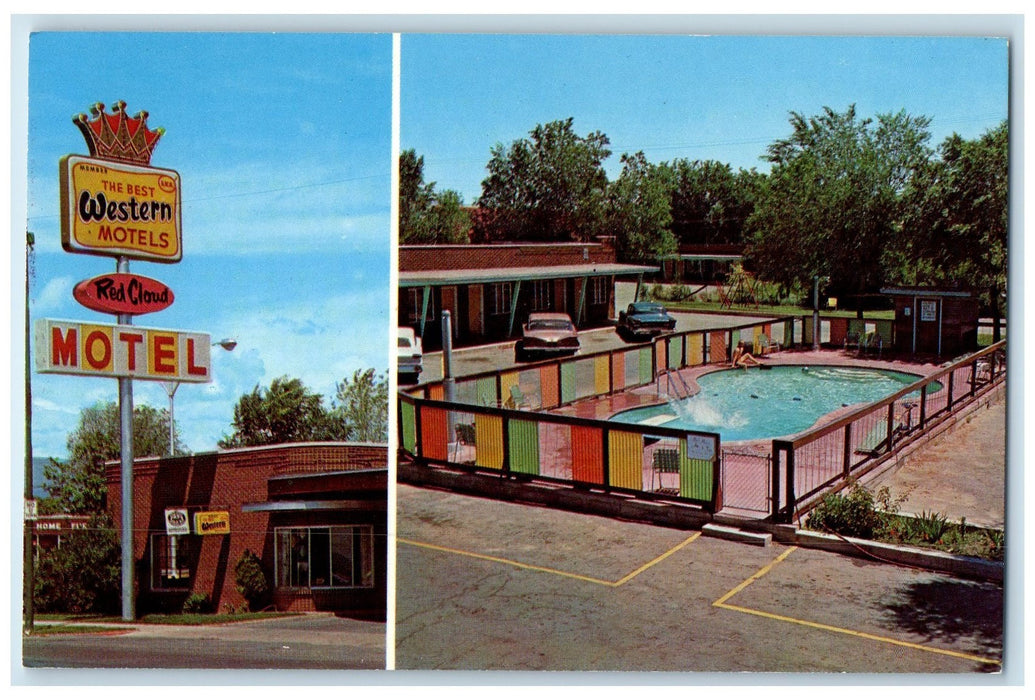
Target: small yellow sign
point(112, 208)
point(213, 522)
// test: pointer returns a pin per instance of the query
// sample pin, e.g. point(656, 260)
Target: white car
point(410, 355)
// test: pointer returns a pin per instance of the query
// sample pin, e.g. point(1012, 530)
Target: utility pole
point(28, 524)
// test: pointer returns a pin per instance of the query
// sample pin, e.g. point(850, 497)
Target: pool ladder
point(682, 389)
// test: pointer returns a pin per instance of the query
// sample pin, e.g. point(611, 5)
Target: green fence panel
point(646, 368)
point(487, 392)
point(696, 476)
point(408, 419)
point(675, 352)
point(523, 436)
point(568, 382)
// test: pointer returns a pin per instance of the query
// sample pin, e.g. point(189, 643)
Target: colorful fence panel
point(488, 440)
point(523, 439)
point(587, 454)
point(625, 459)
point(434, 432)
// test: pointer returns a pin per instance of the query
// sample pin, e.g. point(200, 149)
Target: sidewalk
point(960, 473)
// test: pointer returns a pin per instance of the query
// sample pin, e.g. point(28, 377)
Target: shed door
point(928, 315)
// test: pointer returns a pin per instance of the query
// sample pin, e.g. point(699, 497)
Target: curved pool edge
point(764, 443)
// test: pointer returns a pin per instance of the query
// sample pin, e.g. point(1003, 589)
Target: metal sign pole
point(126, 424)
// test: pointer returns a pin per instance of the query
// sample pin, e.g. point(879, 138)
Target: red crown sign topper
point(118, 136)
point(114, 202)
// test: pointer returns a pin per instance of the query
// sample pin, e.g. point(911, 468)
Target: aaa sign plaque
point(120, 209)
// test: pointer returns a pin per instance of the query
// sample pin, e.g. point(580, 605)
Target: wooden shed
point(930, 321)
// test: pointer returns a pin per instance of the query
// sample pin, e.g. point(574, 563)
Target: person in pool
point(742, 358)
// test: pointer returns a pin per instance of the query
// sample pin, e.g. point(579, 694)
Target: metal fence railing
point(815, 462)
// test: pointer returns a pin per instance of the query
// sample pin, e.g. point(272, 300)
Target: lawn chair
point(665, 461)
point(519, 400)
point(871, 343)
point(464, 438)
point(764, 346)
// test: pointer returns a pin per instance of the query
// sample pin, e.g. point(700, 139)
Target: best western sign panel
point(111, 208)
point(73, 347)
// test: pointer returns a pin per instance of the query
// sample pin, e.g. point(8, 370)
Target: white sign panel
point(176, 521)
point(700, 447)
point(103, 350)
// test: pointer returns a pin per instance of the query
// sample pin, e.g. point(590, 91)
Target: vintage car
point(410, 355)
point(644, 318)
point(546, 335)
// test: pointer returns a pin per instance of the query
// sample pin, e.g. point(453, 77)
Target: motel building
point(490, 289)
point(314, 513)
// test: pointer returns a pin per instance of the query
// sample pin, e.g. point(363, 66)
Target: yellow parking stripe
point(656, 560)
point(721, 603)
point(548, 570)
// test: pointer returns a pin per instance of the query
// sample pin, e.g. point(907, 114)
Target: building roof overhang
point(310, 506)
point(441, 278)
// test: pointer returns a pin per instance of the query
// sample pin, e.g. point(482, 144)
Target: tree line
point(862, 202)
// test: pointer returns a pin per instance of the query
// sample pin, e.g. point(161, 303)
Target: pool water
point(756, 404)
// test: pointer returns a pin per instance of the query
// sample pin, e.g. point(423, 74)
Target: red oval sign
point(123, 293)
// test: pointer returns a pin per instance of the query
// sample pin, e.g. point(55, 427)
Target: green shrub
point(929, 527)
point(851, 515)
point(251, 580)
point(198, 603)
point(84, 574)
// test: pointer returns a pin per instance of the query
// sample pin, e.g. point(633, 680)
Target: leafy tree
point(830, 205)
point(710, 202)
point(426, 216)
point(78, 486)
point(361, 412)
point(956, 220)
point(640, 212)
point(549, 187)
point(84, 574)
point(285, 412)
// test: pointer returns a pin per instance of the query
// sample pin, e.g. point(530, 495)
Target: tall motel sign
point(115, 204)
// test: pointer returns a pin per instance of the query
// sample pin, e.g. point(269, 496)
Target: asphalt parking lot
point(490, 585)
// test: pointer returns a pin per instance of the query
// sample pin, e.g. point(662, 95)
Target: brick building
point(489, 290)
point(314, 513)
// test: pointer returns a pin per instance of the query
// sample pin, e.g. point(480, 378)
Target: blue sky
point(722, 98)
point(283, 145)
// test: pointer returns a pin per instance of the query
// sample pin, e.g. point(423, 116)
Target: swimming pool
point(757, 404)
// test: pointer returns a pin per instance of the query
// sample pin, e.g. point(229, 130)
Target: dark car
point(547, 335)
point(644, 318)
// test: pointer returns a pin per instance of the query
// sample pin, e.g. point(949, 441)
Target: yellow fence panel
point(694, 350)
point(625, 459)
point(601, 374)
point(488, 440)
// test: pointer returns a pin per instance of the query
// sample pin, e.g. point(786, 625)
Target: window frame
point(361, 557)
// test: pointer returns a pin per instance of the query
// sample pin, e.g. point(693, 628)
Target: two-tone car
point(410, 358)
point(546, 335)
point(644, 319)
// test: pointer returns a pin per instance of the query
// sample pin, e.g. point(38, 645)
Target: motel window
point(170, 555)
point(599, 291)
point(338, 556)
point(501, 297)
point(542, 295)
point(415, 297)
